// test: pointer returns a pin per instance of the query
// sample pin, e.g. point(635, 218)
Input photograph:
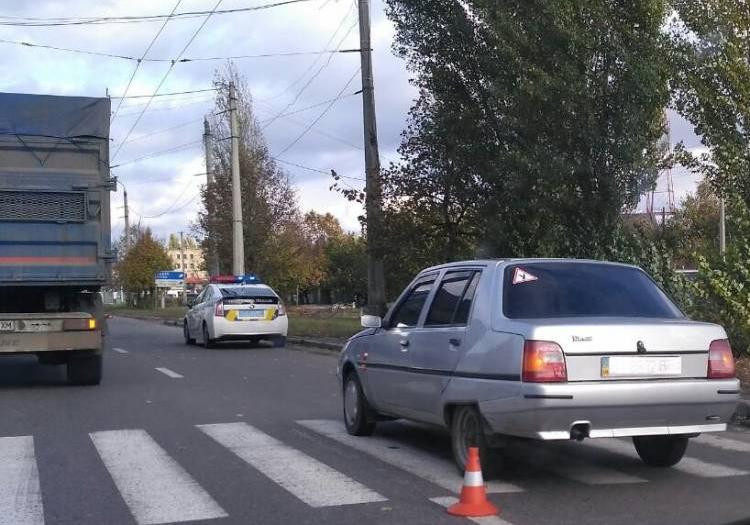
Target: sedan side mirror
point(372, 321)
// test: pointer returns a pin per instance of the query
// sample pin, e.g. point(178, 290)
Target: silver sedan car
point(541, 349)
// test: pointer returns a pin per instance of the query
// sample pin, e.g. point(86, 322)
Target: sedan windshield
point(557, 289)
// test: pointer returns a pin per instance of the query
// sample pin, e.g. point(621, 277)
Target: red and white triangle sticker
point(522, 276)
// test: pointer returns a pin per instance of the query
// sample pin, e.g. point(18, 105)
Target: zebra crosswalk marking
point(688, 465)
point(20, 495)
point(308, 479)
point(154, 486)
point(417, 462)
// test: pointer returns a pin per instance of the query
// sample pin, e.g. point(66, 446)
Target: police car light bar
point(235, 279)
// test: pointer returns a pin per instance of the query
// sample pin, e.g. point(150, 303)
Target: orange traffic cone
point(473, 502)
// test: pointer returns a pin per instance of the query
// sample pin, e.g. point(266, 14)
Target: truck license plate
point(7, 326)
point(641, 366)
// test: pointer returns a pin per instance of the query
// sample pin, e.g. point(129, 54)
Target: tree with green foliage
point(137, 269)
point(711, 50)
point(269, 203)
point(346, 277)
point(537, 123)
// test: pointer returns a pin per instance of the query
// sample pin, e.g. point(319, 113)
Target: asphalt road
point(253, 435)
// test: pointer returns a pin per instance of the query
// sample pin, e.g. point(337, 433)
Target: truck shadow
point(25, 371)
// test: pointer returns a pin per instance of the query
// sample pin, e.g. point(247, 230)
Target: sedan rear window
point(240, 294)
point(556, 289)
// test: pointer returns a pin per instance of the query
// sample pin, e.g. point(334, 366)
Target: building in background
point(189, 259)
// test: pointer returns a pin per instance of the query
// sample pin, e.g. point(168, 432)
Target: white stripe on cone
point(473, 479)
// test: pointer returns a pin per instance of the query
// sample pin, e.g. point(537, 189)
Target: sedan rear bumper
point(224, 329)
point(614, 409)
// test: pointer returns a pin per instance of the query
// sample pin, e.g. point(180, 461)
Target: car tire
point(186, 333)
point(358, 416)
point(467, 430)
point(84, 369)
point(279, 341)
point(660, 451)
point(207, 341)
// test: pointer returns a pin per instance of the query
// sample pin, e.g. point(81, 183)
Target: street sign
point(169, 279)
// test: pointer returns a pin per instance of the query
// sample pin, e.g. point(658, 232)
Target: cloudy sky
point(163, 188)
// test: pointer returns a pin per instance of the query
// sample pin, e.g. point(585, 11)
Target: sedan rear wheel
point(467, 430)
point(207, 341)
point(357, 411)
point(660, 451)
point(186, 333)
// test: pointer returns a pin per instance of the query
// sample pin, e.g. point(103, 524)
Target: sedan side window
point(407, 314)
point(453, 299)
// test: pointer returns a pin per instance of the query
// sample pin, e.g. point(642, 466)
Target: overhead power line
point(339, 96)
point(174, 93)
point(161, 153)
point(173, 208)
point(312, 79)
point(317, 59)
point(166, 74)
point(171, 128)
point(308, 108)
point(315, 170)
point(71, 21)
point(140, 61)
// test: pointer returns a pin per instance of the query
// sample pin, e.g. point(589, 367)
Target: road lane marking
point(447, 501)
point(120, 350)
point(688, 465)
point(713, 440)
point(20, 495)
point(422, 464)
point(154, 486)
point(308, 479)
point(169, 373)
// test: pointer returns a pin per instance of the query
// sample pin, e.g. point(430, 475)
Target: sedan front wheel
point(660, 451)
point(357, 411)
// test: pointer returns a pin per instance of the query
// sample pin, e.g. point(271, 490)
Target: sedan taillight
point(280, 311)
point(219, 309)
point(543, 362)
point(720, 360)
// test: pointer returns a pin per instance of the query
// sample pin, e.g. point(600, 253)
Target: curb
point(172, 322)
point(301, 341)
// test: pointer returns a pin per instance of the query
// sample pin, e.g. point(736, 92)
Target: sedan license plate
point(251, 314)
point(641, 366)
point(7, 326)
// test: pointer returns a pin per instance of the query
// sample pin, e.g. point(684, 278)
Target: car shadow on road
point(24, 371)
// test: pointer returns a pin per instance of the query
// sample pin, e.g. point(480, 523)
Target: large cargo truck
point(55, 244)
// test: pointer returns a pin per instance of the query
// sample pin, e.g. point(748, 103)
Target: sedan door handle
point(454, 342)
point(404, 345)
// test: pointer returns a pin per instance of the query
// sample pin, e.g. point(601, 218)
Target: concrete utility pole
point(722, 227)
point(127, 219)
point(213, 256)
point(373, 191)
point(184, 266)
point(238, 237)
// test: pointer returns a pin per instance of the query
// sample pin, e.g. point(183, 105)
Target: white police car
point(234, 308)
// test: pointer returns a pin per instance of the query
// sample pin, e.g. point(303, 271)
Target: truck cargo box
point(54, 191)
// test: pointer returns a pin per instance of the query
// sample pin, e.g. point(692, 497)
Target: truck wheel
point(660, 451)
point(85, 369)
point(467, 430)
point(357, 412)
point(279, 341)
